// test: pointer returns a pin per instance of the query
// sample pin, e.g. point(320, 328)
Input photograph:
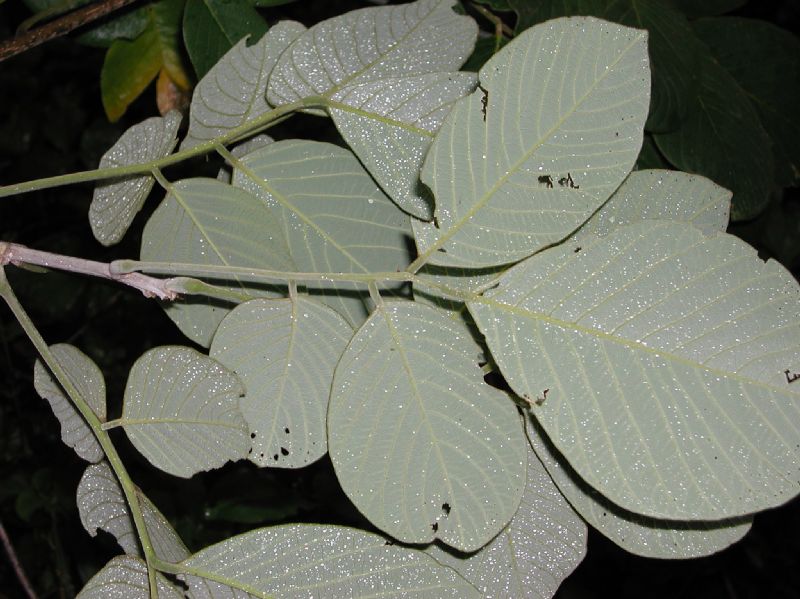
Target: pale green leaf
point(232, 92)
point(86, 377)
point(648, 537)
point(531, 557)
point(116, 203)
point(309, 560)
point(659, 356)
point(284, 351)
point(334, 216)
point(203, 221)
point(421, 445)
point(389, 124)
point(370, 44)
point(102, 506)
point(181, 411)
point(662, 195)
point(126, 576)
point(558, 129)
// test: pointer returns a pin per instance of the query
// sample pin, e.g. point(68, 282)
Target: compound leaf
point(116, 203)
point(659, 357)
point(206, 222)
point(334, 216)
point(232, 92)
point(309, 560)
point(284, 351)
point(648, 537)
point(86, 377)
point(544, 542)
point(558, 129)
point(421, 445)
point(181, 411)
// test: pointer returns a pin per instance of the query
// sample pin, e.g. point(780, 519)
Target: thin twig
point(19, 255)
point(18, 569)
point(61, 26)
point(500, 28)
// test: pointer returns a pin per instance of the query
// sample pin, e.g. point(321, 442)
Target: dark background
point(52, 122)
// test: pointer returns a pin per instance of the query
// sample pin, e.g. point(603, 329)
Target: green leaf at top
point(722, 138)
point(656, 360)
point(370, 44)
point(295, 561)
point(334, 216)
point(212, 27)
point(206, 222)
point(233, 90)
point(131, 65)
point(126, 576)
point(181, 411)
point(765, 61)
point(284, 351)
point(422, 446)
point(86, 377)
point(564, 108)
point(648, 537)
point(662, 195)
point(544, 542)
point(116, 203)
point(389, 124)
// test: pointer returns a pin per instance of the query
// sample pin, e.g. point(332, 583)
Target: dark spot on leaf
point(547, 180)
point(446, 508)
point(275, 457)
point(435, 526)
point(284, 451)
point(577, 249)
point(286, 430)
point(252, 435)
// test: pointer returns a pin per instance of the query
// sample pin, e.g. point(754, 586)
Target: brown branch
point(59, 27)
point(19, 255)
point(17, 567)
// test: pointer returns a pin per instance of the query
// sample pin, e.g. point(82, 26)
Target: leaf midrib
point(483, 200)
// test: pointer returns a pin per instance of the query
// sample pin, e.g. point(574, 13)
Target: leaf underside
point(658, 357)
point(554, 131)
point(284, 351)
point(412, 428)
point(306, 560)
point(544, 542)
point(181, 411)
